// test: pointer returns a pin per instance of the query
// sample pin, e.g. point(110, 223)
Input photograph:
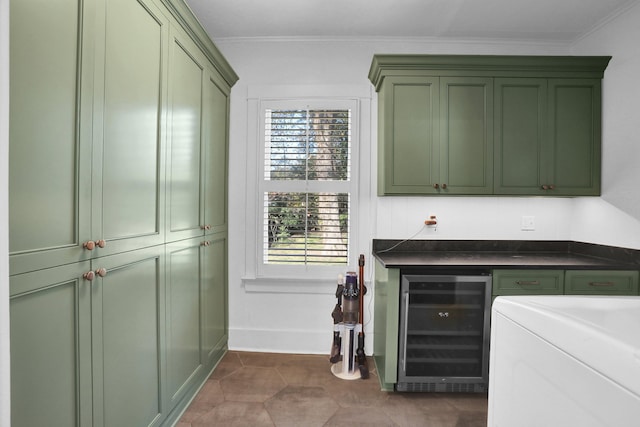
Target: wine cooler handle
point(406, 328)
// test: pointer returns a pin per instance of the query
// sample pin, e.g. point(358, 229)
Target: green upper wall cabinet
point(466, 139)
point(437, 133)
point(506, 125)
point(547, 136)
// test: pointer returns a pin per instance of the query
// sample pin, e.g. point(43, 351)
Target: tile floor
point(267, 389)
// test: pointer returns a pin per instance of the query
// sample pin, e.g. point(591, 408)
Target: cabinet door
point(184, 289)
point(528, 282)
point(575, 136)
point(51, 347)
point(128, 183)
point(215, 140)
point(50, 133)
point(128, 332)
point(601, 282)
point(214, 299)
point(185, 190)
point(521, 142)
point(409, 131)
point(385, 324)
point(466, 135)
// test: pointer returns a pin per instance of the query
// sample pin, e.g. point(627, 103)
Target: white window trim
point(306, 279)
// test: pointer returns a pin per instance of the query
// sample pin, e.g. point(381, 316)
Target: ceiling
point(560, 21)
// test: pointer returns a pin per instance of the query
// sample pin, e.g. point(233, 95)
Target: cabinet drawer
point(601, 282)
point(525, 282)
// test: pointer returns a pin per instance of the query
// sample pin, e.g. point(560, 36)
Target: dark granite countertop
point(512, 254)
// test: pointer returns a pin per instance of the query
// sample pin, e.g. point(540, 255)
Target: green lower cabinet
point(183, 316)
point(128, 338)
point(51, 347)
point(196, 323)
point(122, 340)
point(214, 300)
point(601, 282)
point(567, 282)
point(385, 325)
point(528, 282)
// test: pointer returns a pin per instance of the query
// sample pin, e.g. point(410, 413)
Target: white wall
point(299, 321)
point(614, 218)
point(5, 406)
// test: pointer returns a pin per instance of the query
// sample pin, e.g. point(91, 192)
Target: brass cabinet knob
point(207, 227)
point(436, 186)
point(545, 187)
point(101, 272)
point(205, 243)
point(89, 275)
point(91, 245)
point(552, 187)
point(444, 186)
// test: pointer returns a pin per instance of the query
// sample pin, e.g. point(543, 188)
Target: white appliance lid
point(603, 332)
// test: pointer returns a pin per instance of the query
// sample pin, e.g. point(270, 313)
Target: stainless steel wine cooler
point(444, 333)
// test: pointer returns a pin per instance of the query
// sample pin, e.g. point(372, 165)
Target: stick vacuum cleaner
point(347, 318)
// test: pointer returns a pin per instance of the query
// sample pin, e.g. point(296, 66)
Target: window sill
point(289, 285)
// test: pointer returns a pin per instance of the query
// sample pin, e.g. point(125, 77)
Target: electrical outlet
point(528, 223)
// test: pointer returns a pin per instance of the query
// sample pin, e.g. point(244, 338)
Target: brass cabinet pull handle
point(527, 282)
point(601, 283)
point(101, 272)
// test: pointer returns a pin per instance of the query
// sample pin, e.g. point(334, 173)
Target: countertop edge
point(503, 254)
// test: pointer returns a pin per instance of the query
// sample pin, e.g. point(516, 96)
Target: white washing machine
point(564, 361)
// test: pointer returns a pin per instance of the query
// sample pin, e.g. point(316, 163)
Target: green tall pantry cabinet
point(118, 235)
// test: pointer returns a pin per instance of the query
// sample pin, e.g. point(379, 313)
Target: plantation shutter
point(306, 186)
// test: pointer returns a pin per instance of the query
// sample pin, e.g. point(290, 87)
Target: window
point(308, 179)
point(306, 191)
point(305, 187)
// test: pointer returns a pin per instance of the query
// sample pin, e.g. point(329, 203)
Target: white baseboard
point(286, 341)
